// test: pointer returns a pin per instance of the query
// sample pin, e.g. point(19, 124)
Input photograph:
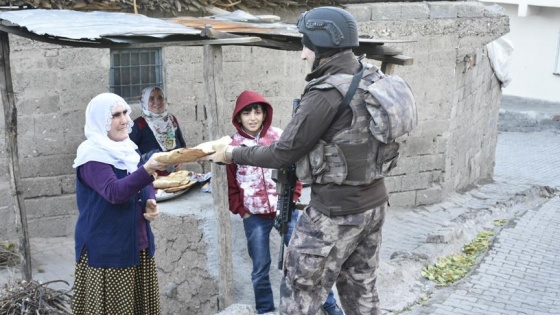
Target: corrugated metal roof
point(114, 29)
point(92, 25)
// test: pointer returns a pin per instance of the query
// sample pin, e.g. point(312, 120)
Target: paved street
point(520, 273)
point(532, 157)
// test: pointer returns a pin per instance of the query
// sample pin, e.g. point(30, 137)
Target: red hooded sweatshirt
point(251, 188)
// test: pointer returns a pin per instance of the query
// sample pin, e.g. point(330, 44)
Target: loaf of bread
point(179, 188)
point(175, 179)
point(183, 155)
point(211, 145)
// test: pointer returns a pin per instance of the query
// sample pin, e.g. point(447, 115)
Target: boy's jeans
point(257, 231)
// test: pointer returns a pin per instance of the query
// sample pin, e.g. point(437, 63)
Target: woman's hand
point(151, 210)
point(153, 165)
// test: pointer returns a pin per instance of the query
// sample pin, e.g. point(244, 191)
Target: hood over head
point(248, 98)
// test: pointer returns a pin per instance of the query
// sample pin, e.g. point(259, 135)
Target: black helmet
point(328, 28)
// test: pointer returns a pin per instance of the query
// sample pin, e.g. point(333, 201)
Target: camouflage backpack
point(392, 108)
point(383, 108)
point(388, 99)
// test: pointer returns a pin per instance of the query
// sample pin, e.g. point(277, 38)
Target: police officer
point(337, 238)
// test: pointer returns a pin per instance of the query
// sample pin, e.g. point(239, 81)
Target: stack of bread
point(176, 181)
point(180, 180)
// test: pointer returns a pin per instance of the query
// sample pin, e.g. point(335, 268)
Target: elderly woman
point(115, 267)
point(156, 130)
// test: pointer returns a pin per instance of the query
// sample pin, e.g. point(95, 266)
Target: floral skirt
point(122, 291)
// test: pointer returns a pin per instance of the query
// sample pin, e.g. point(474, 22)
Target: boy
point(252, 195)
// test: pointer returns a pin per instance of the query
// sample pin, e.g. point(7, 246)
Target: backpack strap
point(350, 94)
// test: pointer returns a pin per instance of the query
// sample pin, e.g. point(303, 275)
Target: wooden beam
point(222, 42)
point(10, 118)
point(400, 60)
point(388, 62)
point(215, 106)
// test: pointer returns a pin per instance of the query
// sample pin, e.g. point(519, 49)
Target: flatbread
point(211, 145)
point(174, 179)
point(179, 188)
point(186, 155)
point(183, 155)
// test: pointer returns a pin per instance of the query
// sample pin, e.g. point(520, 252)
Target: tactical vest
point(354, 156)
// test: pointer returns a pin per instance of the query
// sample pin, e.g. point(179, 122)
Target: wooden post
point(10, 118)
point(213, 83)
point(387, 67)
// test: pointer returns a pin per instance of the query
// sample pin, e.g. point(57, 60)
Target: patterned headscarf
point(97, 146)
point(160, 124)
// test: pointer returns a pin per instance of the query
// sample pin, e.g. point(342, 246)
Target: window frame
point(132, 69)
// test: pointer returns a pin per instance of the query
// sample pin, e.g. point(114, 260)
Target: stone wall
point(186, 256)
point(457, 97)
point(456, 92)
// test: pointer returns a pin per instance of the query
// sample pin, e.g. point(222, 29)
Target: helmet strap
point(317, 59)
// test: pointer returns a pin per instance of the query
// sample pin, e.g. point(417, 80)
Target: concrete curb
point(528, 115)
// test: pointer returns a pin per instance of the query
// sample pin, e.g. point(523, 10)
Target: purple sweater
point(116, 190)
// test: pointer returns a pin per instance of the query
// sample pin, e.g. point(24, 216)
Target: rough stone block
point(438, 109)
point(416, 181)
point(433, 128)
point(7, 226)
point(46, 103)
point(46, 138)
point(52, 165)
point(37, 77)
point(386, 11)
point(52, 226)
point(494, 10)
point(443, 10)
point(362, 12)
point(393, 183)
point(68, 184)
point(40, 187)
point(470, 10)
point(441, 235)
point(441, 144)
point(415, 164)
point(51, 206)
point(95, 78)
point(415, 11)
point(401, 199)
point(429, 196)
point(420, 146)
point(186, 255)
point(5, 194)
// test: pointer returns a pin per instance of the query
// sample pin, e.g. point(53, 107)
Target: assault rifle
point(285, 180)
point(285, 186)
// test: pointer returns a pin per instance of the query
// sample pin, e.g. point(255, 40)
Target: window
point(134, 69)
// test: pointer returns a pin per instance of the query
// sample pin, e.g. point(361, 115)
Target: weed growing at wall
point(454, 267)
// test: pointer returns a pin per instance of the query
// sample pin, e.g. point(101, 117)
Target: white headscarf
point(160, 124)
point(98, 147)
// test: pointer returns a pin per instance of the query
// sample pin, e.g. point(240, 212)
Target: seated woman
point(156, 130)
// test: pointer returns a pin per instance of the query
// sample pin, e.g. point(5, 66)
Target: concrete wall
point(535, 35)
point(457, 99)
